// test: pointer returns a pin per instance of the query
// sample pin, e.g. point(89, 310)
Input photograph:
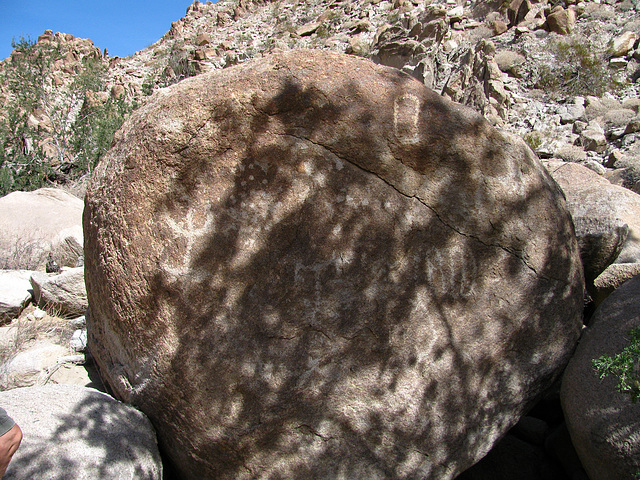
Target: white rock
point(32, 224)
point(79, 341)
point(624, 43)
point(15, 292)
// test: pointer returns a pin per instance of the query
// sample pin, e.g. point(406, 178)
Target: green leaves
point(53, 130)
point(624, 365)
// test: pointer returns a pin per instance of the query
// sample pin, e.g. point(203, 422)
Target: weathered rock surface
point(80, 433)
point(34, 224)
point(32, 365)
point(64, 293)
point(292, 238)
point(15, 292)
point(604, 423)
point(595, 202)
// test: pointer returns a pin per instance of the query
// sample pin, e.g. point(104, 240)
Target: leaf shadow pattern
point(345, 276)
point(71, 432)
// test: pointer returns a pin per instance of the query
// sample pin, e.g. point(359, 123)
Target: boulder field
point(312, 266)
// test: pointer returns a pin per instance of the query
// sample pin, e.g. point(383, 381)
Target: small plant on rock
point(624, 365)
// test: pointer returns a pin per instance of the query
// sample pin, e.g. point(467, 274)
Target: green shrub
point(624, 365)
point(578, 69)
point(75, 134)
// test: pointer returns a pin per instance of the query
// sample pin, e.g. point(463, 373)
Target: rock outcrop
point(604, 423)
point(76, 432)
point(318, 268)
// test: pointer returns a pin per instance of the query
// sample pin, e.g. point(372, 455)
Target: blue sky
point(123, 27)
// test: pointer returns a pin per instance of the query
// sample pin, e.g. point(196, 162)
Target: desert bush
point(578, 68)
point(624, 365)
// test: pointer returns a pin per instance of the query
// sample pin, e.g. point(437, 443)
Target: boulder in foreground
point(311, 266)
point(76, 432)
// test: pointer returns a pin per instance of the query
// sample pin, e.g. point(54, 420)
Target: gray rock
point(604, 423)
point(601, 241)
point(15, 293)
point(64, 294)
point(616, 122)
point(79, 433)
point(573, 113)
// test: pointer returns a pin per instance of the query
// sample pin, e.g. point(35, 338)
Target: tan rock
point(562, 21)
point(624, 43)
point(296, 279)
point(509, 61)
point(203, 39)
point(517, 10)
point(591, 196)
point(498, 27)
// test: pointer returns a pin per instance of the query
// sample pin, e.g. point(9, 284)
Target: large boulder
point(311, 266)
point(36, 224)
point(603, 422)
point(80, 433)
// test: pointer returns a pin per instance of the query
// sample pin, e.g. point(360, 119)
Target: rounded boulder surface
point(36, 224)
point(603, 422)
point(311, 266)
point(80, 433)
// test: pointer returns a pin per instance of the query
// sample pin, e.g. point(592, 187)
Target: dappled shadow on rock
point(310, 266)
point(75, 432)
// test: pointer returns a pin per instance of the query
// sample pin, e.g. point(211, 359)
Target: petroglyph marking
point(406, 116)
point(188, 231)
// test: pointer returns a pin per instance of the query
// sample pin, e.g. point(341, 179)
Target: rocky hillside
point(560, 74)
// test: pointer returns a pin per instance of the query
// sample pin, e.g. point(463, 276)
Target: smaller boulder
point(63, 294)
point(562, 21)
point(32, 366)
point(593, 139)
point(616, 122)
point(15, 293)
point(76, 432)
point(603, 422)
point(624, 43)
point(612, 278)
